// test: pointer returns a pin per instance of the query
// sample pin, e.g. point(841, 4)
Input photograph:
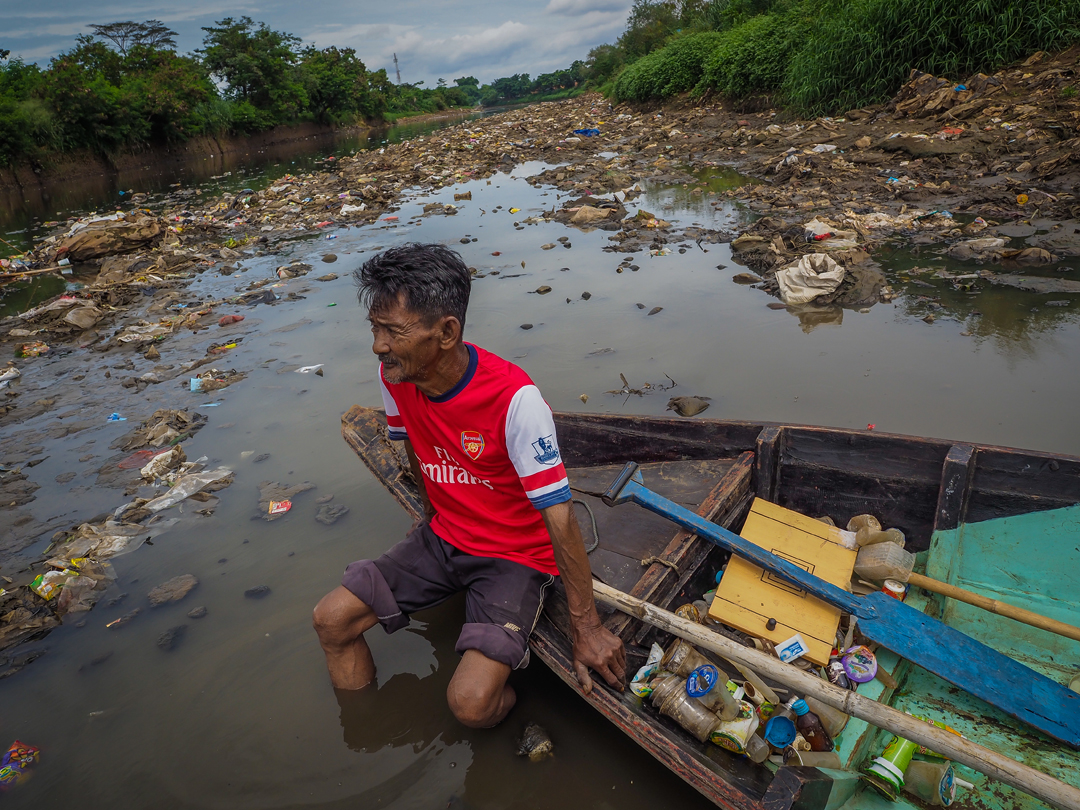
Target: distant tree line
point(124, 85)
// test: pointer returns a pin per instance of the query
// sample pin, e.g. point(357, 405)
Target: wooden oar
point(1040, 785)
point(888, 561)
point(1015, 689)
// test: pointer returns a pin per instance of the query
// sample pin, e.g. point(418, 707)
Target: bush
point(861, 51)
point(752, 58)
point(214, 117)
point(14, 138)
point(675, 68)
point(248, 119)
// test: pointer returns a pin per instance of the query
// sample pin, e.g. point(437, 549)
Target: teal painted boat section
point(1031, 561)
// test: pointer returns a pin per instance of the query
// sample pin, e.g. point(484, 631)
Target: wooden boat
point(1002, 522)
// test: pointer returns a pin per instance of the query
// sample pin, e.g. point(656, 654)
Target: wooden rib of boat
point(999, 521)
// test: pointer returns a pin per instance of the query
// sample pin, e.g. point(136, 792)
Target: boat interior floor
point(629, 535)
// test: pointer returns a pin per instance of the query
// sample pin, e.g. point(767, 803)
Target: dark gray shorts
point(503, 598)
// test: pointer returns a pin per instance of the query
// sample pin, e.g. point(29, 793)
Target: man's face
point(406, 345)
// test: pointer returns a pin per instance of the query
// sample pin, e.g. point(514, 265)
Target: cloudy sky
point(432, 38)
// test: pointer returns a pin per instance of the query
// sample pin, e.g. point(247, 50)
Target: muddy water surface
point(240, 713)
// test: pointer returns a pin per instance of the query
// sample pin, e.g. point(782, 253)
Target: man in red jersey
point(499, 520)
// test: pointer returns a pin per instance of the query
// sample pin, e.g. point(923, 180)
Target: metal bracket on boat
point(614, 494)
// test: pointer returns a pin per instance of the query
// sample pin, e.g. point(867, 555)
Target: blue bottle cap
point(780, 732)
point(799, 707)
point(701, 681)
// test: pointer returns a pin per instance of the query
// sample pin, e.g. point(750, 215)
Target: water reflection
point(1013, 320)
point(697, 198)
point(811, 317)
point(20, 296)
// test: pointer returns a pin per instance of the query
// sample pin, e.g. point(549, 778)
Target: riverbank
point(216, 153)
point(424, 118)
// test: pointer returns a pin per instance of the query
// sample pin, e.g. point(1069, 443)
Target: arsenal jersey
point(489, 458)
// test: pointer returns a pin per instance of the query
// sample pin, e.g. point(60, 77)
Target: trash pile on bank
point(928, 145)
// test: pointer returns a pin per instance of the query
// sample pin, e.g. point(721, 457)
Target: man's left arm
point(595, 646)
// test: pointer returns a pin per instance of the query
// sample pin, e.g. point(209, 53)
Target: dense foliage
point(125, 86)
point(866, 52)
point(675, 68)
point(821, 56)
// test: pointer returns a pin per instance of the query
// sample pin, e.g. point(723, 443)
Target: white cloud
point(486, 43)
point(477, 51)
point(575, 8)
point(351, 36)
point(431, 38)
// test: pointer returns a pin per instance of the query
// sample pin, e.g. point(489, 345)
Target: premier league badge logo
point(472, 442)
point(546, 451)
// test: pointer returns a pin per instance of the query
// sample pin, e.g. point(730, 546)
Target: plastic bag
point(14, 767)
point(160, 464)
point(76, 596)
point(813, 275)
point(49, 584)
point(186, 487)
point(641, 685)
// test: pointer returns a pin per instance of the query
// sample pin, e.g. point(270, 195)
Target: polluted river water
point(239, 712)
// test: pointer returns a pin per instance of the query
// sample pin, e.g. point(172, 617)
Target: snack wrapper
point(14, 767)
point(49, 584)
point(641, 685)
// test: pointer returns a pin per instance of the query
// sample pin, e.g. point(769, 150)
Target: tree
point(25, 123)
point(470, 87)
point(604, 62)
point(158, 36)
point(648, 26)
point(338, 86)
point(128, 34)
point(105, 100)
point(258, 64)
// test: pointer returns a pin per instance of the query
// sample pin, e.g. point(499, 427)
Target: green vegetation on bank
point(820, 56)
point(125, 86)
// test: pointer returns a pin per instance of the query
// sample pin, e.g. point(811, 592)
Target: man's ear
point(449, 332)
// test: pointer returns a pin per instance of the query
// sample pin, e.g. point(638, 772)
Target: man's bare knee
point(473, 707)
point(340, 618)
point(479, 705)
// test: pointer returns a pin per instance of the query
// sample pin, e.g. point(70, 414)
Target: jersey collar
point(474, 360)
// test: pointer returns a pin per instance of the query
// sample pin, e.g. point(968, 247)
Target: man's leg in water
point(411, 576)
point(478, 694)
point(341, 620)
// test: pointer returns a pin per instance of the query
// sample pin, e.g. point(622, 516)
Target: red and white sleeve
point(534, 448)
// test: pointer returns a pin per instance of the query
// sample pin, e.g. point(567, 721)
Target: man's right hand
point(597, 648)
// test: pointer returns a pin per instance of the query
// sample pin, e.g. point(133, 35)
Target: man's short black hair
point(433, 278)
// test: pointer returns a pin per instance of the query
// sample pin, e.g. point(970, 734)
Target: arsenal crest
point(472, 442)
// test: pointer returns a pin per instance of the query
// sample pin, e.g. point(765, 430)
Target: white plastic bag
point(812, 276)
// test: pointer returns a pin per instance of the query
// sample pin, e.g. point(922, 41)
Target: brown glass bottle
point(809, 725)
